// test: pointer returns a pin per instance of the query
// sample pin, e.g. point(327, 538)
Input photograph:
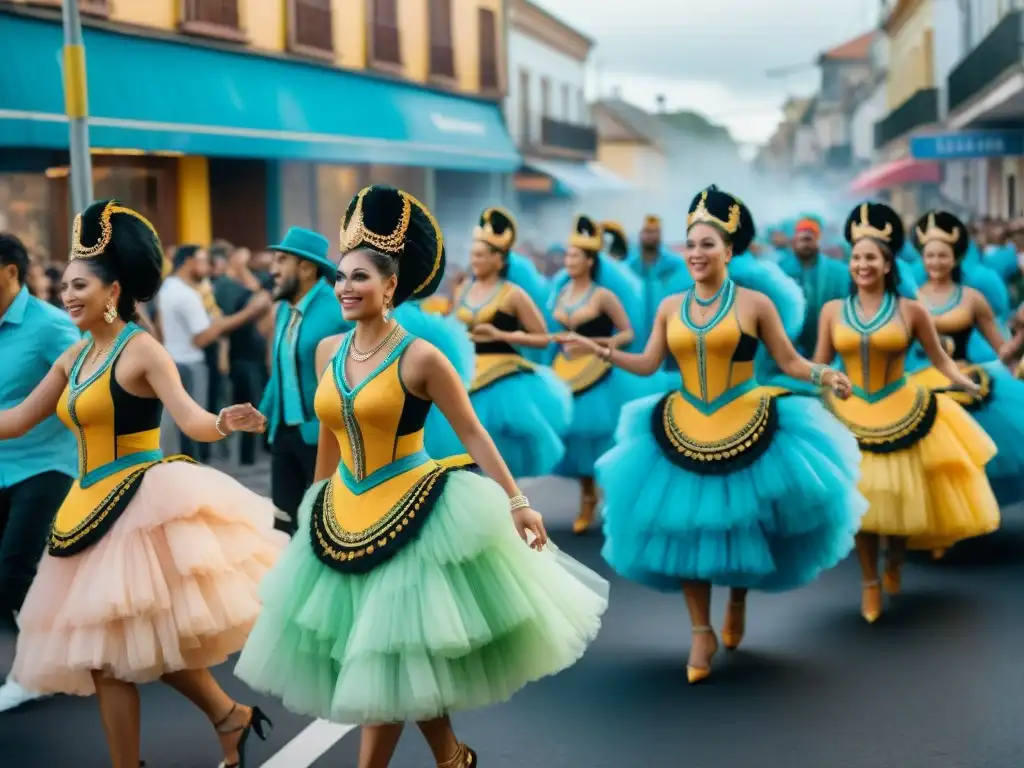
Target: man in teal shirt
point(37, 469)
point(307, 312)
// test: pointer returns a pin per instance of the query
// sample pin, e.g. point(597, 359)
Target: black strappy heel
point(257, 721)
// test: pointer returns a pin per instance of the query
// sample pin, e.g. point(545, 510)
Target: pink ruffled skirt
point(172, 586)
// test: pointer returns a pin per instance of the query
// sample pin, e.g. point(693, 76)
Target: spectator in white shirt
point(187, 328)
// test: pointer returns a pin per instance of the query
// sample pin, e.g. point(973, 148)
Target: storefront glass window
point(25, 211)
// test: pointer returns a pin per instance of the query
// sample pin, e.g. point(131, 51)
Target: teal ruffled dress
point(407, 593)
point(724, 480)
point(522, 404)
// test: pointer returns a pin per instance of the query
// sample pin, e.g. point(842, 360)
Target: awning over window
point(160, 95)
point(577, 179)
point(897, 173)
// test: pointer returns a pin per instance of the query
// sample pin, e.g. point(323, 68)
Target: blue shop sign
point(963, 146)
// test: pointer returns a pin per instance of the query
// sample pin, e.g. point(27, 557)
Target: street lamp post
point(76, 105)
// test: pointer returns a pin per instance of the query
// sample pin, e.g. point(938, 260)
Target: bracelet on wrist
point(518, 502)
point(218, 425)
point(818, 372)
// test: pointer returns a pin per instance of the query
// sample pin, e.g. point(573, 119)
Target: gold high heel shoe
point(588, 505)
point(871, 601)
point(464, 757)
point(731, 635)
point(892, 579)
point(696, 674)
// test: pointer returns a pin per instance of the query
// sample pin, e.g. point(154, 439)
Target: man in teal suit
point(307, 312)
point(662, 272)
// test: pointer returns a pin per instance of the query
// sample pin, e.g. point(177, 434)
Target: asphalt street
point(938, 682)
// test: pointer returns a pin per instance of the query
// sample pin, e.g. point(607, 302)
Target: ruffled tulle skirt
point(595, 414)
point(173, 585)
point(462, 617)
point(935, 492)
point(1000, 413)
point(526, 414)
point(772, 525)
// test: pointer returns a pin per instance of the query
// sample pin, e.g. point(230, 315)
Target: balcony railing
point(214, 18)
point(838, 156)
point(983, 66)
point(442, 60)
point(920, 109)
point(310, 29)
point(387, 44)
point(577, 139)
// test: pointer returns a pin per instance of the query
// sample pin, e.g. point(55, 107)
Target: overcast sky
point(712, 55)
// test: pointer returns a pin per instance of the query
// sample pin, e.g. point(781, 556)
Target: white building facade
point(548, 117)
point(978, 62)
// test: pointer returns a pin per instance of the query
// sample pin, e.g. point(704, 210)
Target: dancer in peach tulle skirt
point(153, 562)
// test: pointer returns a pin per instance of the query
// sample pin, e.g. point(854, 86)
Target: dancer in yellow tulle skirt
point(923, 456)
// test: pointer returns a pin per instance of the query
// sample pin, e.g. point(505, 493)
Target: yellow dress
point(724, 480)
point(998, 409)
point(524, 407)
point(410, 594)
point(153, 563)
point(923, 455)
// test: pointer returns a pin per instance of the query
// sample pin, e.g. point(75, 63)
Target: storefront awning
point(907, 170)
point(159, 95)
point(577, 179)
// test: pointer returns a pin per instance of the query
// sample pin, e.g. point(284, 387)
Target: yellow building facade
point(452, 47)
point(911, 94)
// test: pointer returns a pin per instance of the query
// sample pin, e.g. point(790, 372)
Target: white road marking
point(310, 745)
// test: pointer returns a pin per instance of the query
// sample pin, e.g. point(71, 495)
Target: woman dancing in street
point(153, 561)
point(412, 594)
point(725, 482)
point(923, 455)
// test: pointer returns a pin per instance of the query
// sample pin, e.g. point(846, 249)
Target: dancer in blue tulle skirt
point(958, 312)
point(586, 305)
point(524, 406)
point(723, 481)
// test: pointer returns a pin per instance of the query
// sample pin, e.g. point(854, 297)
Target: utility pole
point(76, 105)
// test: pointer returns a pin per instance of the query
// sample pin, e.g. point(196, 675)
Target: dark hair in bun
point(726, 213)
point(402, 236)
point(120, 245)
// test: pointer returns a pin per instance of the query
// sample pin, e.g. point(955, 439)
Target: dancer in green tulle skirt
point(408, 592)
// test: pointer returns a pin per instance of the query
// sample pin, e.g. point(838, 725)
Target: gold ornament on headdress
point(81, 251)
point(650, 220)
point(485, 232)
point(866, 229)
point(584, 241)
point(933, 231)
point(701, 214)
point(357, 233)
point(614, 226)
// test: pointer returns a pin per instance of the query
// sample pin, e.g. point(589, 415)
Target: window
point(488, 31)
point(545, 97)
point(566, 106)
point(442, 54)
point(214, 18)
point(525, 134)
point(582, 113)
point(310, 27)
point(1011, 196)
point(386, 41)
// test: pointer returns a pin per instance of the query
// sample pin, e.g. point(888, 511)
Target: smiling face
point(707, 253)
point(365, 281)
point(869, 265)
point(484, 261)
point(85, 296)
point(939, 260)
point(577, 262)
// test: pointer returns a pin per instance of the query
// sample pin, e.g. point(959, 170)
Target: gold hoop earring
point(387, 309)
point(110, 315)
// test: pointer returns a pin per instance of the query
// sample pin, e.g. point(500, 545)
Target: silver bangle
point(217, 426)
point(518, 502)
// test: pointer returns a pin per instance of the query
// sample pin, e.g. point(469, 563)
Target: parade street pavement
point(938, 682)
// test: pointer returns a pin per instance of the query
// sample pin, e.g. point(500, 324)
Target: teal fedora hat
point(308, 246)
